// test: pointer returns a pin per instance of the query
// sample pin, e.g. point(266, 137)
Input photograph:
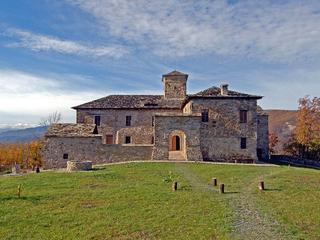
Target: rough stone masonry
point(216, 124)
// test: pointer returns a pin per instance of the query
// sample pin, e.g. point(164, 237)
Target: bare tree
point(54, 117)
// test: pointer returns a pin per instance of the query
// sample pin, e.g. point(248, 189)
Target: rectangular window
point(243, 143)
point(152, 140)
point(65, 156)
point(127, 140)
point(205, 115)
point(128, 120)
point(243, 116)
point(97, 120)
point(109, 139)
point(152, 121)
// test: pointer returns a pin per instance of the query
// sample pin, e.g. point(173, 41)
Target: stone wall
point(113, 122)
point(139, 135)
point(175, 87)
point(263, 136)
point(92, 149)
point(166, 126)
point(221, 135)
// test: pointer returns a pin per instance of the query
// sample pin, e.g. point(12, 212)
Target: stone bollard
point(221, 188)
point(261, 185)
point(174, 186)
point(214, 181)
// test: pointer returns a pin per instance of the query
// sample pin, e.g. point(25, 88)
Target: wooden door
point(176, 146)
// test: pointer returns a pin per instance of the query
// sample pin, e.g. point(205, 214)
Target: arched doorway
point(177, 145)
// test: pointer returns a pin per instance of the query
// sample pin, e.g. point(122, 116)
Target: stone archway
point(177, 145)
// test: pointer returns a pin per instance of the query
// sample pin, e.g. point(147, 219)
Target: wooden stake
point(19, 190)
point(174, 186)
point(214, 182)
point(261, 185)
point(221, 188)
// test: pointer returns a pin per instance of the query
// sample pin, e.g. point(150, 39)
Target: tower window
point(97, 120)
point(205, 115)
point(243, 116)
point(65, 156)
point(128, 120)
point(243, 143)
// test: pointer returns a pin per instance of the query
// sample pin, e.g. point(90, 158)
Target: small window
point(243, 143)
point(109, 139)
point(127, 140)
point(97, 120)
point(152, 140)
point(152, 121)
point(65, 156)
point(243, 116)
point(128, 120)
point(205, 115)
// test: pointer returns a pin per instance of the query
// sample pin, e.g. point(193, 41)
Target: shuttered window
point(109, 139)
point(243, 116)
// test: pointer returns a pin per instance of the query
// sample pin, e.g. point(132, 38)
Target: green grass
point(132, 201)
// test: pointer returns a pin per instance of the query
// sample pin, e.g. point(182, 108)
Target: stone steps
point(176, 155)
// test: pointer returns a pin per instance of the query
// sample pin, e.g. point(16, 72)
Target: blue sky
point(57, 54)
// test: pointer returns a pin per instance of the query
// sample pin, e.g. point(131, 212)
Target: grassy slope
point(133, 202)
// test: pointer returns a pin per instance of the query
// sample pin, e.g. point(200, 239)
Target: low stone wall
point(294, 161)
point(79, 166)
point(58, 150)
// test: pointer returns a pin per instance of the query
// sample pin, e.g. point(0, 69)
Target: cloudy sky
point(58, 54)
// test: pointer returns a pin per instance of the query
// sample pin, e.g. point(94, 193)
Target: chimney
point(224, 89)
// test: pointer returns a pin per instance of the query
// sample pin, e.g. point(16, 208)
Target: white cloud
point(26, 94)
point(38, 42)
point(276, 32)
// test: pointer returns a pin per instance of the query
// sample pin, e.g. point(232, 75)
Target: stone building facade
point(216, 124)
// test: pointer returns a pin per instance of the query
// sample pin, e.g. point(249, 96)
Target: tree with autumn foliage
point(28, 155)
point(306, 139)
point(273, 142)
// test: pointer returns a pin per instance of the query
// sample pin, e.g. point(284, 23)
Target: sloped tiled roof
point(216, 92)
point(132, 101)
point(71, 130)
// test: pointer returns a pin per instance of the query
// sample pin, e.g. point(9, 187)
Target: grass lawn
point(135, 201)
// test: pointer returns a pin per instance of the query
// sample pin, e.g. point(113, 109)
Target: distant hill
point(22, 135)
point(282, 123)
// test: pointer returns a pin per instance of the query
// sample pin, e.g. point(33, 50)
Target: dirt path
point(250, 224)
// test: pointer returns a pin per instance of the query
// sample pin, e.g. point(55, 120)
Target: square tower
point(175, 85)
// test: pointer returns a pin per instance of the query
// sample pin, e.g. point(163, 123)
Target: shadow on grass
point(272, 190)
point(231, 192)
point(99, 168)
point(32, 199)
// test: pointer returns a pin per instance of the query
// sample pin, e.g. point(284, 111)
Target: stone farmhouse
point(216, 124)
